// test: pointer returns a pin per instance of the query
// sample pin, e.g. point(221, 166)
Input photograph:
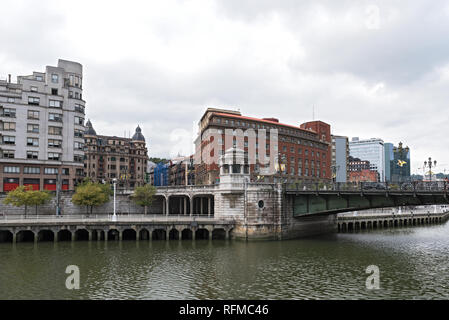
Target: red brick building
point(364, 175)
point(302, 153)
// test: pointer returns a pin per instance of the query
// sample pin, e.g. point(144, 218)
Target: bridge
point(108, 228)
point(327, 199)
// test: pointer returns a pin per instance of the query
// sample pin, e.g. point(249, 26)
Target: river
point(413, 264)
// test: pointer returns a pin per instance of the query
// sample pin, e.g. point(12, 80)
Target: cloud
point(369, 68)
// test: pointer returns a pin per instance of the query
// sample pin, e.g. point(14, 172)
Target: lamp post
point(114, 182)
point(429, 164)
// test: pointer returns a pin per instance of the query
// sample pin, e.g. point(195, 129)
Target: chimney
point(9, 78)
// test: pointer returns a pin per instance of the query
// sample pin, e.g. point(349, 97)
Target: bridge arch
point(45, 235)
point(129, 234)
point(202, 234)
point(219, 234)
point(81, 234)
point(6, 236)
point(173, 234)
point(187, 234)
point(144, 234)
point(113, 234)
point(64, 235)
point(159, 234)
point(25, 236)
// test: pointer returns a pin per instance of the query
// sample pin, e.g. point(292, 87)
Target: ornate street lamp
point(429, 164)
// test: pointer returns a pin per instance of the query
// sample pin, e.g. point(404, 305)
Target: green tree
point(91, 194)
point(25, 196)
point(144, 196)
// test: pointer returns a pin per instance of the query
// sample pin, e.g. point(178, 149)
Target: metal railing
point(415, 186)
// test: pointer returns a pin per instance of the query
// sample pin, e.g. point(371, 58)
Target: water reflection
point(413, 264)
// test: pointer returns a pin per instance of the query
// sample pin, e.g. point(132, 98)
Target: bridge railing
point(413, 186)
point(5, 218)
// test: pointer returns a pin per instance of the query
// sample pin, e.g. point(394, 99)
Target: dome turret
point(138, 136)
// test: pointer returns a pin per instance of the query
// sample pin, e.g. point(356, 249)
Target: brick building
point(298, 153)
point(364, 175)
point(109, 157)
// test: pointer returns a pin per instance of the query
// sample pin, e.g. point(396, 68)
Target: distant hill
point(158, 160)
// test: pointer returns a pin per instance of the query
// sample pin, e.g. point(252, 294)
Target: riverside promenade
point(391, 218)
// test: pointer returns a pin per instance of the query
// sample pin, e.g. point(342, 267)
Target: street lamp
point(429, 164)
point(114, 182)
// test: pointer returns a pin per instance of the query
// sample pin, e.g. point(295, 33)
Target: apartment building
point(41, 128)
point(109, 157)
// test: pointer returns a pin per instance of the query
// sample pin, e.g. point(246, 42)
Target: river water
point(413, 264)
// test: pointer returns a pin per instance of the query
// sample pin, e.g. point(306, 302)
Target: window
point(11, 100)
point(33, 89)
point(34, 100)
point(9, 112)
point(79, 145)
point(78, 133)
point(8, 169)
point(39, 78)
point(9, 140)
point(65, 171)
point(54, 78)
point(78, 158)
point(76, 95)
point(79, 120)
point(32, 142)
point(55, 117)
point(55, 104)
point(31, 170)
point(51, 171)
point(32, 154)
point(55, 130)
point(79, 108)
point(71, 80)
point(53, 156)
point(9, 126)
point(53, 143)
point(8, 154)
point(34, 115)
point(70, 94)
point(33, 128)
point(54, 91)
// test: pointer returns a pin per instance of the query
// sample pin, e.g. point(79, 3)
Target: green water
point(413, 263)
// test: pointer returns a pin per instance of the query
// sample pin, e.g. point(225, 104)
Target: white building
point(371, 150)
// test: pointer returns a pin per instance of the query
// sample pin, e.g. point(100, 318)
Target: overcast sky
point(370, 68)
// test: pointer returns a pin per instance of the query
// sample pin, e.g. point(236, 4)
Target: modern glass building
point(371, 150)
point(340, 158)
point(397, 163)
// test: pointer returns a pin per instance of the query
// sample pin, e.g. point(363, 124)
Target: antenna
point(313, 112)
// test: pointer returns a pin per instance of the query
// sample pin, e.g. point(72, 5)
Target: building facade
point(41, 128)
point(298, 153)
point(340, 158)
point(397, 163)
point(364, 175)
point(371, 150)
point(110, 157)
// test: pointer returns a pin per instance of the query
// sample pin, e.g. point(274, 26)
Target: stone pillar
point(73, 235)
point(55, 236)
point(208, 206)
point(120, 235)
point(137, 235)
point(227, 234)
point(150, 234)
point(167, 234)
point(14, 237)
point(193, 234)
point(106, 233)
point(90, 234)
point(167, 205)
point(210, 234)
point(98, 235)
point(185, 205)
point(36, 237)
point(201, 205)
point(180, 205)
point(191, 206)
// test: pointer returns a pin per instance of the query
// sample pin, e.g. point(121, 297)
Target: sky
point(368, 68)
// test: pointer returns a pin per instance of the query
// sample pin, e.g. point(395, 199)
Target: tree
point(144, 195)
point(25, 196)
point(91, 194)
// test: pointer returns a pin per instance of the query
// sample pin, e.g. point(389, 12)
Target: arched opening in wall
point(369, 225)
point(157, 206)
point(405, 222)
point(375, 225)
point(45, 235)
point(343, 227)
point(173, 234)
point(25, 236)
point(363, 225)
point(202, 234)
point(186, 234)
point(395, 223)
point(64, 235)
point(6, 236)
point(113, 235)
point(81, 235)
point(144, 234)
point(350, 226)
point(159, 234)
point(129, 234)
point(231, 233)
point(422, 220)
point(218, 234)
point(357, 226)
